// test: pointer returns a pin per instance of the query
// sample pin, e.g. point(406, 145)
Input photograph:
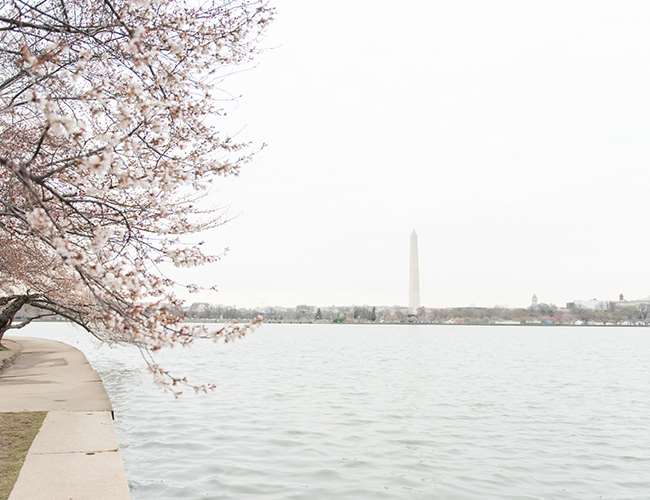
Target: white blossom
point(105, 139)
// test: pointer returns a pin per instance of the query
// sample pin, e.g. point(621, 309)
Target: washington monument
point(414, 276)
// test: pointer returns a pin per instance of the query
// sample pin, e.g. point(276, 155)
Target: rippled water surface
point(388, 412)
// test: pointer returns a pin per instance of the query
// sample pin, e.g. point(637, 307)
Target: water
point(388, 412)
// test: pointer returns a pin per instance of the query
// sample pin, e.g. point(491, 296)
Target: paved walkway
point(8, 355)
point(75, 455)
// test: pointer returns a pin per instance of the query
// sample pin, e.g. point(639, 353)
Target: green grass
point(17, 431)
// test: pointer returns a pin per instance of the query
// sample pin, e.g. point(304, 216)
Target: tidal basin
point(387, 412)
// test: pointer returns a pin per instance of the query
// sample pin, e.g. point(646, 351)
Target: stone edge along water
point(75, 453)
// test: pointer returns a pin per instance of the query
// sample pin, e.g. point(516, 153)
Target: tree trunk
point(9, 311)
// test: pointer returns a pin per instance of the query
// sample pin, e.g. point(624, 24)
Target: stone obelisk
point(414, 276)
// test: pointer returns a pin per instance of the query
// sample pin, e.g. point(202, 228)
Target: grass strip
point(17, 431)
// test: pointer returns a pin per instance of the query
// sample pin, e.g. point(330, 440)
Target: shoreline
point(392, 323)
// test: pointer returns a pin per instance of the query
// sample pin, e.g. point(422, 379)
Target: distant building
point(534, 302)
point(305, 310)
point(634, 303)
point(591, 304)
point(198, 308)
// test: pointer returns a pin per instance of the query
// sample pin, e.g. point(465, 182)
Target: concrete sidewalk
point(7, 356)
point(75, 455)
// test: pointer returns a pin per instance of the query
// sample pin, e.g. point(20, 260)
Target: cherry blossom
point(109, 137)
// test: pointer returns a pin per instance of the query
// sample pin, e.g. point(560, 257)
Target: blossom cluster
point(109, 135)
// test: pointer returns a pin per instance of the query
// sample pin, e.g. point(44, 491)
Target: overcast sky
point(512, 135)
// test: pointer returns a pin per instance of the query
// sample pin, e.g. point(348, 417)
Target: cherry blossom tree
point(111, 131)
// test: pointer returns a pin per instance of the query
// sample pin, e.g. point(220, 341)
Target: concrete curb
point(75, 454)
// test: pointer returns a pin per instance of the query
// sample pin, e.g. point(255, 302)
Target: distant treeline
point(545, 314)
point(540, 314)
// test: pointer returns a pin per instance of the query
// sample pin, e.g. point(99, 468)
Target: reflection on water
point(395, 412)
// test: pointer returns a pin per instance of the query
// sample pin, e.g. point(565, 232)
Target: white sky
point(512, 135)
